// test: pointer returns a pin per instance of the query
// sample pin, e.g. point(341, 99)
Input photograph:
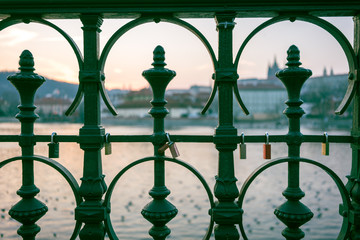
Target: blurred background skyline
point(185, 54)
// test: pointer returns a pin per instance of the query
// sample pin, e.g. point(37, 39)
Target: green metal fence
point(93, 197)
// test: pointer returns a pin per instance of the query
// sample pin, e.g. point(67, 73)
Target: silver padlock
point(174, 150)
point(242, 147)
point(172, 146)
point(53, 147)
point(108, 149)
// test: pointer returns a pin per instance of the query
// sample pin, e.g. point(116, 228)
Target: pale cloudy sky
point(184, 52)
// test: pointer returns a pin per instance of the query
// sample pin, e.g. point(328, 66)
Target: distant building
point(181, 103)
point(52, 106)
point(272, 69)
point(263, 98)
point(324, 93)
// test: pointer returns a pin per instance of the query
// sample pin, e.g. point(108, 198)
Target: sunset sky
point(184, 52)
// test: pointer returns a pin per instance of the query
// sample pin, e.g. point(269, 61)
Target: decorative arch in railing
point(60, 169)
point(345, 228)
point(79, 95)
point(16, 20)
point(107, 199)
point(170, 19)
point(154, 18)
point(94, 213)
point(7, 22)
point(335, 32)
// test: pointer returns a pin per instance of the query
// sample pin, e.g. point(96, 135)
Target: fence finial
point(159, 57)
point(28, 210)
point(293, 213)
point(293, 56)
point(26, 61)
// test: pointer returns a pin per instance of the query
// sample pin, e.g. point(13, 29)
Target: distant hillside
point(60, 89)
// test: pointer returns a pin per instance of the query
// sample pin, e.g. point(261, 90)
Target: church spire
point(272, 69)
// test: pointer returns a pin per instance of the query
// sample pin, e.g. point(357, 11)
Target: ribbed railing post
point(159, 211)
point(353, 185)
point(28, 210)
point(226, 212)
point(91, 211)
point(293, 213)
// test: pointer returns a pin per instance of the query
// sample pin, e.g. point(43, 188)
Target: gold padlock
point(267, 148)
point(108, 149)
point(174, 150)
point(325, 145)
point(242, 147)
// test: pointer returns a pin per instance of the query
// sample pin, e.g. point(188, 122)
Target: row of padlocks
point(267, 146)
point(54, 147)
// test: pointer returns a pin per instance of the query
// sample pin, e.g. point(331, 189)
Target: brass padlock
point(325, 145)
point(242, 147)
point(53, 147)
point(174, 150)
point(163, 148)
point(108, 149)
point(267, 148)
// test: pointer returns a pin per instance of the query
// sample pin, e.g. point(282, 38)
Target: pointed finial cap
point(26, 73)
point(293, 77)
point(26, 61)
point(293, 56)
point(159, 57)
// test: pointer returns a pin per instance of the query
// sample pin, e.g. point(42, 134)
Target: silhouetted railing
point(93, 197)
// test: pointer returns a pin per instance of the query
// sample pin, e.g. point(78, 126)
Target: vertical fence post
point(226, 212)
point(159, 211)
point(353, 185)
point(29, 209)
point(91, 211)
point(293, 213)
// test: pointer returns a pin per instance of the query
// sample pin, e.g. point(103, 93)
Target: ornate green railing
point(93, 197)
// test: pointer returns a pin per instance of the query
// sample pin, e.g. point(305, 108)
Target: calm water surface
point(187, 193)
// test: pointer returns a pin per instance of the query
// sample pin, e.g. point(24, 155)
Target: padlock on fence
point(171, 145)
point(242, 147)
point(163, 148)
point(174, 150)
point(267, 147)
point(325, 145)
point(53, 147)
point(108, 149)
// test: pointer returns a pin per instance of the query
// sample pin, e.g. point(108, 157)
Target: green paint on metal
point(92, 213)
point(28, 210)
point(293, 213)
point(159, 211)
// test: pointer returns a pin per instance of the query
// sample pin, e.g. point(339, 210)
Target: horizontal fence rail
point(182, 138)
point(92, 211)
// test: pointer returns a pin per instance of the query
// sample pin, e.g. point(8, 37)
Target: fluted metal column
point(353, 185)
point(226, 213)
point(159, 211)
point(91, 211)
point(293, 213)
point(29, 209)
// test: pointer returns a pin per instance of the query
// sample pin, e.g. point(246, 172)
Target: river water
point(187, 193)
